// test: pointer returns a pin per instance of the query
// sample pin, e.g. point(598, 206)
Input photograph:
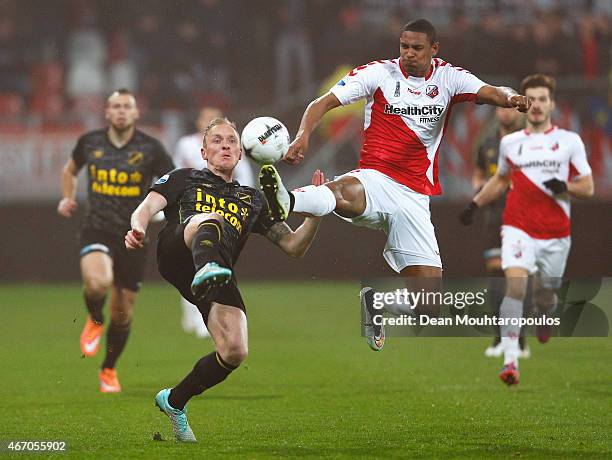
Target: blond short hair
point(216, 122)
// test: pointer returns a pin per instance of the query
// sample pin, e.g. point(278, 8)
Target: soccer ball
point(265, 140)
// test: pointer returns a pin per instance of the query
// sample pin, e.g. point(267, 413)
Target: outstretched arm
point(502, 96)
point(152, 204)
point(583, 187)
point(493, 189)
point(311, 118)
point(294, 243)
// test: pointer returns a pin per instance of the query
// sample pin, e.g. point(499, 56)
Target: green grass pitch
point(310, 387)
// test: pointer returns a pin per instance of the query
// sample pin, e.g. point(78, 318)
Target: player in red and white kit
point(408, 102)
point(546, 166)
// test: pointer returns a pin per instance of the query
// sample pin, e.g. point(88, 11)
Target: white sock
point(399, 309)
point(511, 308)
point(314, 200)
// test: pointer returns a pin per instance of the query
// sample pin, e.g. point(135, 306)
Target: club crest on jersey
point(98, 153)
point(555, 147)
point(135, 158)
point(397, 89)
point(432, 91)
point(244, 197)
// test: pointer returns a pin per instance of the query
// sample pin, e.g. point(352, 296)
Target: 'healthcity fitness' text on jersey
point(119, 178)
point(532, 159)
point(405, 117)
point(192, 191)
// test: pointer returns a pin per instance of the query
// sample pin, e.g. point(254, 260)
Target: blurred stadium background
point(59, 59)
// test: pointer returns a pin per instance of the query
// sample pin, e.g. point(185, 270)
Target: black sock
point(208, 371)
point(94, 307)
point(116, 338)
point(205, 244)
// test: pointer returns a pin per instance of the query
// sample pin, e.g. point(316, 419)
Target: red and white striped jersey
point(405, 117)
point(532, 159)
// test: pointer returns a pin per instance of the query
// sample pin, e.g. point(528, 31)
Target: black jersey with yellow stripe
point(192, 191)
point(118, 177)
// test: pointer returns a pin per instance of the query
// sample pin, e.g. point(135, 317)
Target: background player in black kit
point(209, 219)
point(121, 163)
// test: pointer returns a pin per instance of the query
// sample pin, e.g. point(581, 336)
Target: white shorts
point(403, 215)
point(546, 257)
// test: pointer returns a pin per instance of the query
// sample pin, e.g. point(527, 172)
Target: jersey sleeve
point(171, 185)
point(264, 219)
point(579, 165)
point(162, 163)
point(503, 165)
point(78, 153)
point(359, 83)
point(463, 84)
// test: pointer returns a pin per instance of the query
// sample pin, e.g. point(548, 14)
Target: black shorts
point(175, 264)
point(128, 266)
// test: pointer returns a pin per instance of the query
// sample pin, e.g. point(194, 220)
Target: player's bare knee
point(516, 290)
point(350, 196)
point(121, 318)
point(336, 188)
point(517, 279)
point(192, 226)
point(196, 220)
point(96, 285)
point(234, 352)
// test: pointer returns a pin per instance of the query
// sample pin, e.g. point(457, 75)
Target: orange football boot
point(109, 383)
point(90, 337)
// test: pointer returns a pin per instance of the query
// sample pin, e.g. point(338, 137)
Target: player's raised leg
point(345, 196)
point(203, 235)
point(97, 274)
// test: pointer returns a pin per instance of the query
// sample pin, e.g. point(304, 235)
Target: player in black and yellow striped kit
point(210, 217)
point(121, 163)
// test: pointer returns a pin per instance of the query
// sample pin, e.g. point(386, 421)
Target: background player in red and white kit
point(487, 157)
point(546, 166)
point(408, 101)
point(188, 154)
